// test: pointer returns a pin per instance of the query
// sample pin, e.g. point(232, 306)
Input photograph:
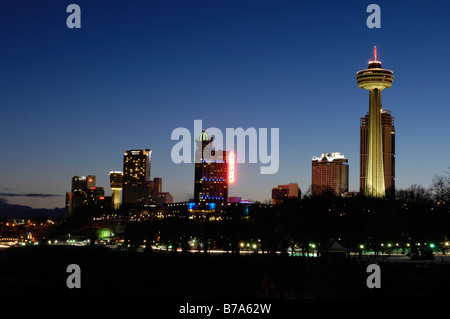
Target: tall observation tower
point(375, 79)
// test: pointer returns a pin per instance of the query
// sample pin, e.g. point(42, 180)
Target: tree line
point(408, 222)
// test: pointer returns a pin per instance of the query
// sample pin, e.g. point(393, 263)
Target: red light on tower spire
point(375, 53)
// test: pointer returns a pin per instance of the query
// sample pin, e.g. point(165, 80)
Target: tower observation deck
point(375, 79)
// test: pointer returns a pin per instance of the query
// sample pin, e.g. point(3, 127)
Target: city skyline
point(77, 99)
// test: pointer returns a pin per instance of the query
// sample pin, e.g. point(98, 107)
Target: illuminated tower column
point(116, 182)
point(375, 79)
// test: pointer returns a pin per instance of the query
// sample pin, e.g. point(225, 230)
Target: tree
point(420, 218)
point(441, 187)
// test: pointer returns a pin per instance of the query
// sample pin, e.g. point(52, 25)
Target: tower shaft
point(374, 164)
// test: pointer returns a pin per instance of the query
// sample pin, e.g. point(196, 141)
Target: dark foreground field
point(40, 272)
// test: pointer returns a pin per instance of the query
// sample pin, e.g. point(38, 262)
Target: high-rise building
point(375, 79)
point(156, 185)
point(136, 177)
point(211, 172)
point(87, 198)
point(79, 185)
point(82, 182)
point(156, 195)
point(68, 204)
point(84, 195)
point(282, 192)
point(388, 141)
point(116, 183)
point(329, 174)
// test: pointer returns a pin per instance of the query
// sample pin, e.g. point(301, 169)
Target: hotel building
point(329, 174)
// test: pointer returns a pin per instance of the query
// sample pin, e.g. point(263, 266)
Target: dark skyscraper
point(388, 142)
point(136, 177)
point(82, 182)
point(211, 172)
point(84, 194)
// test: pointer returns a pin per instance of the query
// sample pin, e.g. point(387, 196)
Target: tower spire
point(375, 53)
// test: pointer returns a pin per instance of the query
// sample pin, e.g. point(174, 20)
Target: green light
point(103, 233)
point(361, 246)
point(432, 245)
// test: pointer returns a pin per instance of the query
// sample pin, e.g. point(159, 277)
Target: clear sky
point(73, 100)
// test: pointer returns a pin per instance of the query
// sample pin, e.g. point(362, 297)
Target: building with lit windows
point(136, 177)
point(156, 195)
point(84, 195)
point(79, 186)
point(211, 211)
point(88, 198)
point(116, 183)
point(211, 172)
point(82, 182)
point(388, 145)
point(283, 192)
point(329, 174)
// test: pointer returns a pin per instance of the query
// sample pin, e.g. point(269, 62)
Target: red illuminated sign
point(231, 169)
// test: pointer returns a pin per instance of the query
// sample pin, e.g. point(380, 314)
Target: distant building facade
point(329, 174)
point(283, 192)
point(156, 195)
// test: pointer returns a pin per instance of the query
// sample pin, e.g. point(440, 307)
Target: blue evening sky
point(73, 100)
